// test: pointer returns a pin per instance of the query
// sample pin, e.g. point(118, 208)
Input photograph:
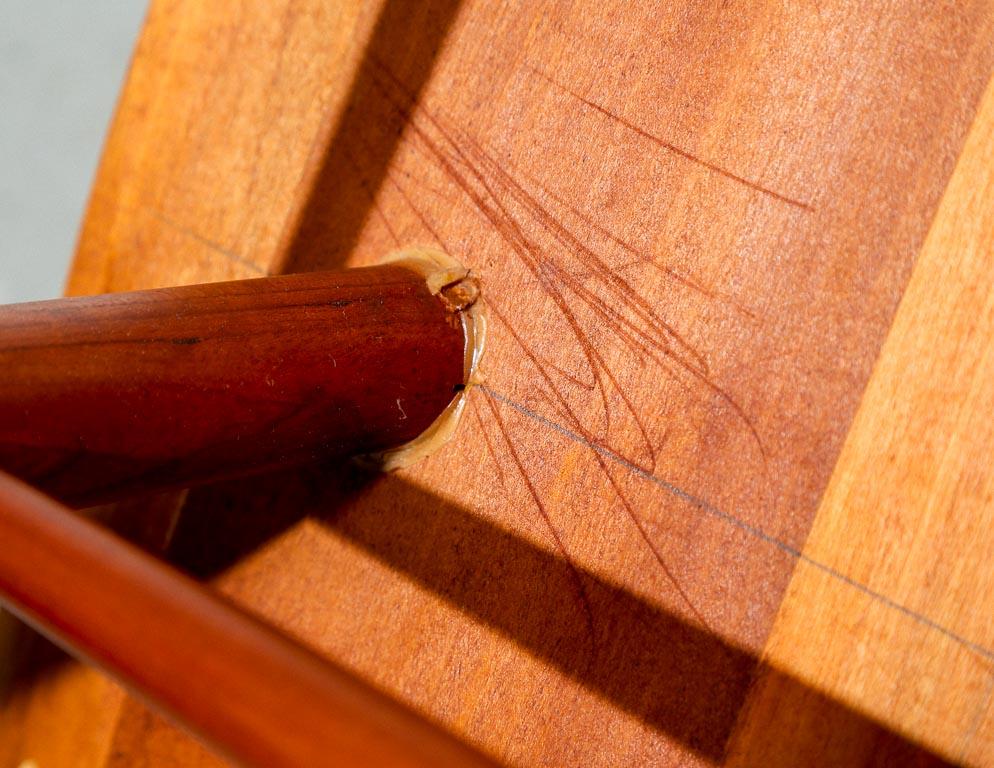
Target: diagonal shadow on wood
point(687, 683)
point(678, 678)
point(683, 681)
point(406, 38)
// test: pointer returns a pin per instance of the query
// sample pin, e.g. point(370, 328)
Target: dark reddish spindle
point(110, 395)
point(248, 690)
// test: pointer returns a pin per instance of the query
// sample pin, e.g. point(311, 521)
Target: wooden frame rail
point(251, 692)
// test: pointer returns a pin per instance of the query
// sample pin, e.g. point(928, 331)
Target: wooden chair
point(721, 492)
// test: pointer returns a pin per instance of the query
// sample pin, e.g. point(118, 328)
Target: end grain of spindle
point(111, 395)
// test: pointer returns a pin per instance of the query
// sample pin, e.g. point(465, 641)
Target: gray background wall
point(61, 67)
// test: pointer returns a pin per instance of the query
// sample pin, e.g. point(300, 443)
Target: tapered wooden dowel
point(113, 394)
point(242, 686)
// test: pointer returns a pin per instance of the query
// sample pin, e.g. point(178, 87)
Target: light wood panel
point(890, 609)
point(693, 224)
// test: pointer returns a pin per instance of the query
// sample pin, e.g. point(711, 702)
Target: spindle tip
point(459, 291)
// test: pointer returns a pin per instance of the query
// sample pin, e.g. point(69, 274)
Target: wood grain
point(144, 391)
point(693, 222)
point(890, 607)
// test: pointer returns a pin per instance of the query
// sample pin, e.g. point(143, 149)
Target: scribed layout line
point(206, 242)
point(742, 525)
point(670, 147)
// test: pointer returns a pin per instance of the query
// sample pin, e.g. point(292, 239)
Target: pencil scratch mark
point(622, 310)
point(422, 217)
point(747, 528)
point(590, 442)
point(389, 177)
point(576, 380)
point(490, 446)
point(673, 148)
point(364, 184)
point(648, 340)
point(640, 257)
point(574, 570)
point(216, 247)
point(644, 534)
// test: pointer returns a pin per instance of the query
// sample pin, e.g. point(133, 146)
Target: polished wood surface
point(129, 393)
point(694, 223)
point(246, 689)
point(890, 608)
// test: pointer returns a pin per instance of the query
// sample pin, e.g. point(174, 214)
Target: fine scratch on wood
point(207, 242)
point(581, 591)
point(521, 221)
point(621, 309)
point(489, 443)
point(866, 110)
point(753, 531)
point(640, 256)
point(670, 147)
point(371, 195)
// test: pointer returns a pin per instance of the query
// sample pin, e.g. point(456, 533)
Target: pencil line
point(671, 147)
point(207, 242)
point(742, 525)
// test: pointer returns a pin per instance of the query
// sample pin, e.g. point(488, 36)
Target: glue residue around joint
point(459, 293)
